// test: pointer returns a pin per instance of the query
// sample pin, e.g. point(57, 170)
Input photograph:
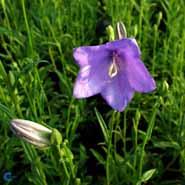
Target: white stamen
point(113, 69)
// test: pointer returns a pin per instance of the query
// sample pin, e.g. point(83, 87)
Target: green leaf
point(167, 144)
point(102, 125)
point(2, 70)
point(100, 159)
point(147, 175)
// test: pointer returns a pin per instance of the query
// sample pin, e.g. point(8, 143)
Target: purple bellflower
point(114, 70)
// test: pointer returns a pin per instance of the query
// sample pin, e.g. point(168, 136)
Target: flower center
point(113, 68)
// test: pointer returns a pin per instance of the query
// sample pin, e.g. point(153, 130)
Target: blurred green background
point(145, 144)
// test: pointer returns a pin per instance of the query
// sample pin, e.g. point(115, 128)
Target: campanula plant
point(114, 69)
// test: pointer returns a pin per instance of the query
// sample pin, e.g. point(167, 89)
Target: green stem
point(27, 26)
point(147, 138)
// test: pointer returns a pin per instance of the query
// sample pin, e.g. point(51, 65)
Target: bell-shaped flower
point(114, 70)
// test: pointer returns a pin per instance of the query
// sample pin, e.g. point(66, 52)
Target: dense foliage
point(142, 145)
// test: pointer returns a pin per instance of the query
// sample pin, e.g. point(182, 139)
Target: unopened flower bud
point(120, 31)
point(31, 132)
point(110, 32)
point(165, 86)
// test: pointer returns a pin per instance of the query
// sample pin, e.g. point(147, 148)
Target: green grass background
point(145, 144)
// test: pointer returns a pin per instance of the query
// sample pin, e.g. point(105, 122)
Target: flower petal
point(133, 40)
point(90, 55)
point(118, 92)
point(93, 74)
point(138, 76)
point(128, 46)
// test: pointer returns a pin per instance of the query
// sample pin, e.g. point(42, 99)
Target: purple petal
point(90, 55)
point(128, 46)
point(118, 92)
point(139, 77)
point(93, 75)
point(133, 40)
